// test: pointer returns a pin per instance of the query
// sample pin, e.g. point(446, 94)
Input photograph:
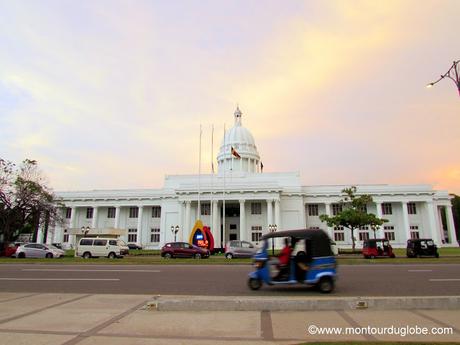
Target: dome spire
point(238, 114)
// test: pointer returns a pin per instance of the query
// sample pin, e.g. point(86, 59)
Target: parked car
point(421, 247)
point(134, 246)
point(8, 250)
point(183, 250)
point(375, 248)
point(239, 249)
point(96, 247)
point(37, 250)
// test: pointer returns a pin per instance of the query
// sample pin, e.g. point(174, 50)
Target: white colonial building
point(253, 201)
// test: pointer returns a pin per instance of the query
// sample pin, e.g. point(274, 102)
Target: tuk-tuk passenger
point(284, 258)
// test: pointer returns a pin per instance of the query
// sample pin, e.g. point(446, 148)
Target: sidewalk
point(130, 319)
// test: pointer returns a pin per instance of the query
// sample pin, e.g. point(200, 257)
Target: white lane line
point(419, 270)
point(446, 280)
point(76, 270)
point(63, 279)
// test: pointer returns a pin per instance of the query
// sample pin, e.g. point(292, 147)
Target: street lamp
point(272, 228)
point(174, 230)
point(85, 230)
point(453, 74)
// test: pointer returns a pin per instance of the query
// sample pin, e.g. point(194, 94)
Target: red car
point(377, 248)
point(183, 250)
point(9, 250)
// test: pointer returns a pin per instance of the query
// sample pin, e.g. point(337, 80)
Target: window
point(363, 236)
point(338, 228)
point(364, 227)
point(156, 211)
point(256, 233)
point(113, 242)
point(313, 210)
point(89, 213)
point(155, 235)
point(411, 208)
point(386, 208)
point(205, 209)
point(256, 208)
point(66, 236)
point(133, 212)
point(232, 226)
point(363, 208)
point(336, 209)
point(339, 236)
point(314, 227)
point(389, 232)
point(414, 232)
point(101, 243)
point(132, 235)
point(68, 213)
point(86, 242)
point(111, 211)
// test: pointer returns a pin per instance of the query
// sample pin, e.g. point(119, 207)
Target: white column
point(330, 230)
point(73, 225)
point(94, 220)
point(243, 231)
point(269, 213)
point(140, 232)
point(451, 226)
point(117, 217)
point(181, 221)
point(303, 215)
point(432, 225)
point(277, 214)
point(379, 233)
point(215, 223)
point(187, 220)
point(405, 224)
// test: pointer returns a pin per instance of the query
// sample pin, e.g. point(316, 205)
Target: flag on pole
point(235, 154)
point(261, 167)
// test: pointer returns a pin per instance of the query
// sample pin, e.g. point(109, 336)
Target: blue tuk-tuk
point(312, 261)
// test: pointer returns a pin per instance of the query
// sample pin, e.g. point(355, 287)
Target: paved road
point(225, 280)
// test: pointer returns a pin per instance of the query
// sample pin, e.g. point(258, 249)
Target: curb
point(216, 303)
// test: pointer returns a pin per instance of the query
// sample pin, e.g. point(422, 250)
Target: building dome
point(238, 151)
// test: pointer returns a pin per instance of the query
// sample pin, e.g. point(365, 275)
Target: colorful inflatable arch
point(201, 236)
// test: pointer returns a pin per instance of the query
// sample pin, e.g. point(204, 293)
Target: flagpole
point(212, 180)
point(222, 240)
point(199, 179)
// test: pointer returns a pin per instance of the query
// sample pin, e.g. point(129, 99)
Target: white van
point(96, 247)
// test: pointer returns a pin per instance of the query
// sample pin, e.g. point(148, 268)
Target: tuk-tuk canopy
point(320, 241)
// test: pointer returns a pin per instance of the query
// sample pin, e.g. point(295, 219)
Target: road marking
point(76, 270)
point(419, 270)
point(64, 279)
point(446, 280)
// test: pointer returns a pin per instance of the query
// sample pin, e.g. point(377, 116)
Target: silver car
point(37, 250)
point(239, 249)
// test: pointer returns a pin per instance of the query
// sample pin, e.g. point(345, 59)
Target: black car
point(421, 247)
point(134, 246)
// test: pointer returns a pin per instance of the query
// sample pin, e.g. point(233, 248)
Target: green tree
point(26, 202)
point(353, 215)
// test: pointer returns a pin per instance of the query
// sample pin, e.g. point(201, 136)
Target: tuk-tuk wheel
point(326, 285)
point(254, 284)
point(392, 256)
point(437, 255)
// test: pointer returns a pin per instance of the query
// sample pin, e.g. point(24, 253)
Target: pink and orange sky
point(111, 94)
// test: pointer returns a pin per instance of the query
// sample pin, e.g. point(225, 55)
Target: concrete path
point(86, 319)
